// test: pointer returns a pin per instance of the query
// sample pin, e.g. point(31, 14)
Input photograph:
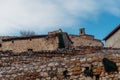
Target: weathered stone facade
point(35, 44)
point(52, 41)
point(85, 40)
point(45, 66)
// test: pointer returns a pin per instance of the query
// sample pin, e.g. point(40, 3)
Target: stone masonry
point(50, 65)
point(48, 42)
point(35, 44)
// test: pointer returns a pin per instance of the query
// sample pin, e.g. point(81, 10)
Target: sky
point(98, 17)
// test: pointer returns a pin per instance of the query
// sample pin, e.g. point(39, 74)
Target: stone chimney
point(82, 31)
point(60, 30)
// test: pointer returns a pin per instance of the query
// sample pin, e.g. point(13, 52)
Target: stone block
point(78, 72)
point(95, 58)
point(83, 60)
point(97, 71)
point(74, 62)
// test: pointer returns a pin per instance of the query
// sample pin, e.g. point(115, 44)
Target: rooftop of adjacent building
point(112, 32)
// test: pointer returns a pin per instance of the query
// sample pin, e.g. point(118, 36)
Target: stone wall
point(54, 32)
point(35, 44)
point(48, 65)
point(47, 42)
point(85, 41)
point(67, 40)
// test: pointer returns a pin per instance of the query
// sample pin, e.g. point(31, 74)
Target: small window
point(82, 31)
point(0, 45)
point(30, 39)
point(30, 49)
point(12, 41)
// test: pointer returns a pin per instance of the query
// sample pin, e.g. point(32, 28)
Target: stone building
point(113, 38)
point(84, 39)
point(52, 41)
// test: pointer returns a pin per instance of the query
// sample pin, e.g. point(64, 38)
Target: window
point(30, 39)
point(0, 45)
point(82, 31)
point(12, 41)
point(30, 49)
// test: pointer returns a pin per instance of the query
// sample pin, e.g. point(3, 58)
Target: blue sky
point(41, 16)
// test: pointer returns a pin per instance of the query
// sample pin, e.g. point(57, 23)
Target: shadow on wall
point(109, 65)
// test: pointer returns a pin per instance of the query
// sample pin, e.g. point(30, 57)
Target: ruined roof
point(112, 32)
point(24, 37)
point(68, 37)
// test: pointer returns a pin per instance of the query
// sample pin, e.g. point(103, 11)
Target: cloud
point(46, 15)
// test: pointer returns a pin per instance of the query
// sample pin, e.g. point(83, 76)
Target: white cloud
point(45, 15)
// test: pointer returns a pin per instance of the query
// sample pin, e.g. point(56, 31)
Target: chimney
point(82, 31)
